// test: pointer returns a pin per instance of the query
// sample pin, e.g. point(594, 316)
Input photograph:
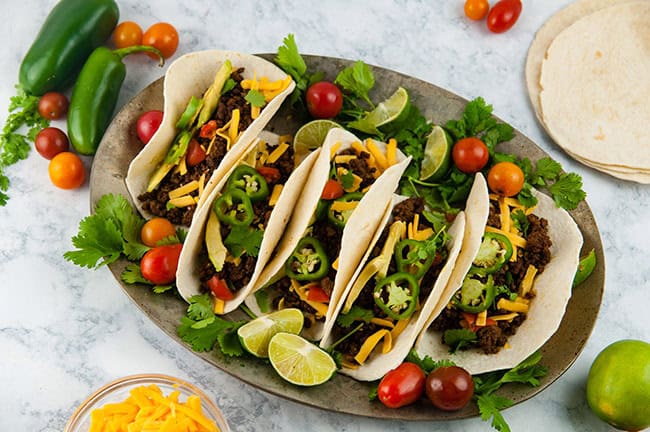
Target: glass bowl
point(119, 389)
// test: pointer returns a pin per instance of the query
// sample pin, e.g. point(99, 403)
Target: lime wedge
point(437, 155)
point(311, 136)
point(299, 361)
point(389, 110)
point(255, 335)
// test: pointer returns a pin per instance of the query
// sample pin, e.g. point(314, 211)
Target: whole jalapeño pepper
point(71, 31)
point(95, 95)
point(397, 295)
point(234, 208)
point(308, 261)
point(250, 181)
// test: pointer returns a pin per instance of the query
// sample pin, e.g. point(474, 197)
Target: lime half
point(256, 335)
point(311, 136)
point(299, 361)
point(389, 110)
point(437, 155)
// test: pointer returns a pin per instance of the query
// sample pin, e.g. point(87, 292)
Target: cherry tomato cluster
point(449, 388)
point(160, 35)
point(159, 264)
point(471, 155)
point(500, 18)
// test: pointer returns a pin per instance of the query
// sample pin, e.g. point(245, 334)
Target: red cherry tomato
point(476, 9)
point(155, 230)
point(127, 34)
point(324, 100)
point(208, 130)
point(402, 386)
point(317, 294)
point(332, 190)
point(66, 171)
point(195, 153)
point(53, 105)
point(147, 125)
point(506, 179)
point(50, 142)
point(159, 264)
point(220, 288)
point(470, 155)
point(449, 387)
point(270, 174)
point(162, 36)
point(503, 15)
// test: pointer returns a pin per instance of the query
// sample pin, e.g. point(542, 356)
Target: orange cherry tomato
point(506, 179)
point(332, 190)
point(127, 34)
point(67, 171)
point(476, 9)
point(155, 230)
point(162, 36)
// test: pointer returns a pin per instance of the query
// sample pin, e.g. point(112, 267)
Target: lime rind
point(391, 109)
point(255, 335)
point(312, 135)
point(299, 361)
point(437, 155)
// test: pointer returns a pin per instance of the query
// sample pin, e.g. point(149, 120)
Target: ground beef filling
point(359, 166)
point(491, 339)
point(155, 201)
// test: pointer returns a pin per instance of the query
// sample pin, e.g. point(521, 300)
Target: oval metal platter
point(342, 394)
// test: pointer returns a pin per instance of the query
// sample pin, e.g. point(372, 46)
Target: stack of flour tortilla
point(587, 74)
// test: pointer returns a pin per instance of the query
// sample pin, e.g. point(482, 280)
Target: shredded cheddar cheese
point(335, 148)
point(184, 190)
point(219, 306)
point(527, 281)
point(148, 410)
point(512, 306)
point(399, 328)
point(391, 152)
point(275, 194)
point(380, 158)
point(183, 201)
point(275, 154)
point(371, 342)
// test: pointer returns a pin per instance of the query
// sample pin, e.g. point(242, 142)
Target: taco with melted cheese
point(235, 232)
point(510, 287)
point(335, 219)
point(215, 104)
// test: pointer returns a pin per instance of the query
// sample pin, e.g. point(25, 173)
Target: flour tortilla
point(553, 288)
point(187, 275)
point(191, 75)
point(358, 231)
point(595, 88)
point(378, 364)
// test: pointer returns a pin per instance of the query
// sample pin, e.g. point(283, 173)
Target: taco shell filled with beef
point(215, 104)
point(510, 288)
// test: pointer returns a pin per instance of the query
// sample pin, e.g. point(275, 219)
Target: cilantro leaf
point(263, 300)
point(202, 329)
point(132, 275)
point(567, 191)
point(490, 406)
point(520, 221)
point(358, 80)
point(546, 170)
point(255, 98)
point(244, 240)
point(228, 85)
point(525, 196)
point(347, 179)
point(459, 338)
point(476, 118)
point(355, 313)
point(14, 145)
point(372, 393)
point(427, 364)
point(290, 60)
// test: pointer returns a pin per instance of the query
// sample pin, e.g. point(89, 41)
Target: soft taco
point(392, 294)
point(336, 217)
point(510, 288)
point(234, 234)
point(215, 105)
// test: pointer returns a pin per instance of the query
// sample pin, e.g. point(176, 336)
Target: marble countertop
point(65, 331)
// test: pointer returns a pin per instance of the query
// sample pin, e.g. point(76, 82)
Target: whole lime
point(618, 387)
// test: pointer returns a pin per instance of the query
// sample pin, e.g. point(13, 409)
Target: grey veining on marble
point(65, 331)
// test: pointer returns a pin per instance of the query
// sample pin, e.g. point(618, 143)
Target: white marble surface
point(65, 331)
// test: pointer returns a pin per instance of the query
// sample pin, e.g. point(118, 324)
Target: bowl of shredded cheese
point(148, 402)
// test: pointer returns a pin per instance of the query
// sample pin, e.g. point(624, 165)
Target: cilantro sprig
point(290, 60)
point(14, 145)
point(203, 330)
point(103, 237)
